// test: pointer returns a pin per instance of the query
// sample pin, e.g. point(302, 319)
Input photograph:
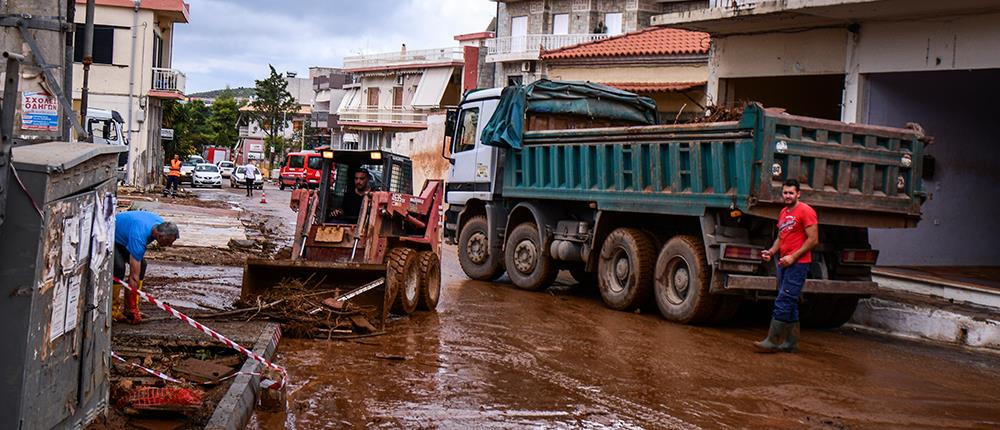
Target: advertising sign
point(39, 111)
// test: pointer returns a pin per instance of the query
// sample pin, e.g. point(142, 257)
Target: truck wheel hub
point(476, 248)
point(525, 254)
point(681, 281)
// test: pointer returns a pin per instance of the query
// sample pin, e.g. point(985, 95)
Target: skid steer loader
point(388, 256)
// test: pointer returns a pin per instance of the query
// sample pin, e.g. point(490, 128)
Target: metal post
point(88, 59)
point(324, 190)
point(68, 68)
point(12, 81)
point(130, 172)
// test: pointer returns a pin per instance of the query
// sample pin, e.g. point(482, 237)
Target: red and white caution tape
point(264, 383)
point(145, 369)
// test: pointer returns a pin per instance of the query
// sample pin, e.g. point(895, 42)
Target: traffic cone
point(263, 196)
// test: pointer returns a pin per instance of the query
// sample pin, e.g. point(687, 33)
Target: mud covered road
point(496, 357)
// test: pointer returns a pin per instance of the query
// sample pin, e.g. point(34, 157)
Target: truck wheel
point(827, 312)
point(528, 262)
point(682, 282)
point(430, 281)
point(625, 269)
point(399, 271)
point(474, 251)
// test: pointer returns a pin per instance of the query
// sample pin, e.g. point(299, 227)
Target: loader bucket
point(260, 275)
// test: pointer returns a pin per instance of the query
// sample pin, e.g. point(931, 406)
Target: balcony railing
point(168, 80)
point(404, 58)
point(398, 116)
point(732, 4)
point(521, 48)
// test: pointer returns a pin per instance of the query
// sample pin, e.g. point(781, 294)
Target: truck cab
point(106, 126)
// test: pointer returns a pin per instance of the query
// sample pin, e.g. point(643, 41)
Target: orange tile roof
point(654, 87)
point(649, 41)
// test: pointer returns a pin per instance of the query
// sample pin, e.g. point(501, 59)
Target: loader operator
point(134, 231)
point(798, 234)
point(351, 207)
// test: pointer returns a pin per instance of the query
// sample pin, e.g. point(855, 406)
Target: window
point(104, 44)
point(613, 23)
point(103, 129)
point(315, 163)
point(296, 162)
point(157, 50)
point(560, 23)
point(515, 80)
point(467, 126)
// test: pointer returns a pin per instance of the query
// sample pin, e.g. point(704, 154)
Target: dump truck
point(579, 177)
point(387, 256)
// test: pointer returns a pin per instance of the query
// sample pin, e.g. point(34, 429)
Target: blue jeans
point(790, 282)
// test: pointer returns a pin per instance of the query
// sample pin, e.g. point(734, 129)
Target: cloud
point(231, 42)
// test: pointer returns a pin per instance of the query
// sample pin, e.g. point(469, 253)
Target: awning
point(431, 87)
point(655, 87)
point(322, 96)
point(350, 101)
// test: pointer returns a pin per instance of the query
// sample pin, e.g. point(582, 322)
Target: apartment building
point(884, 62)
point(132, 74)
point(328, 91)
point(527, 28)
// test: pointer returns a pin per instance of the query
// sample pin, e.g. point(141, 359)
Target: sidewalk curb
point(911, 321)
point(237, 405)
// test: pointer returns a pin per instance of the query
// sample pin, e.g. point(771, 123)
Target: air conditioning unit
point(528, 67)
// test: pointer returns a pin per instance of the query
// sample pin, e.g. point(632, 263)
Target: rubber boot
point(116, 302)
point(774, 333)
point(132, 306)
point(791, 343)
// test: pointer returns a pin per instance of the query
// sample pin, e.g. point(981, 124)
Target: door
point(519, 33)
point(560, 23)
point(397, 98)
point(463, 178)
point(373, 104)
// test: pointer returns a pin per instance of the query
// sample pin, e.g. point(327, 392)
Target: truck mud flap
point(813, 286)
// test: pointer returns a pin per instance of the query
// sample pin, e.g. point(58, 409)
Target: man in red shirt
point(798, 234)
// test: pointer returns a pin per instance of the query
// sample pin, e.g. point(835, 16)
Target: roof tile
point(649, 41)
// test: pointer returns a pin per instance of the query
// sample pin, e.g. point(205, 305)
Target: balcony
point(404, 59)
point(397, 117)
point(167, 83)
point(529, 47)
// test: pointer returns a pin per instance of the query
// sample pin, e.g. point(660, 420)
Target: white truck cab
point(106, 126)
point(471, 176)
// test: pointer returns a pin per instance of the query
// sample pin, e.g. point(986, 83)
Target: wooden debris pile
point(306, 311)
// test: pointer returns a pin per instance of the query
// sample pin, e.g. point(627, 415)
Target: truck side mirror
point(449, 133)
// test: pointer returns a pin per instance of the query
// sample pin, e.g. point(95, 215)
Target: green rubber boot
point(791, 343)
point(773, 339)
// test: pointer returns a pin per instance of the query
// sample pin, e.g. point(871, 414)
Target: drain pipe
point(67, 123)
point(88, 59)
point(130, 174)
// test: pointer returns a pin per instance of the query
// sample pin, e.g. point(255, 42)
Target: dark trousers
point(121, 263)
point(790, 282)
point(249, 187)
point(172, 182)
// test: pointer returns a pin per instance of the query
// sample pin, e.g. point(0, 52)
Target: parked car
point(237, 179)
point(206, 175)
point(226, 168)
point(188, 165)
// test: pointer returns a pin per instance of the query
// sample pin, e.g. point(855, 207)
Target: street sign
point(167, 133)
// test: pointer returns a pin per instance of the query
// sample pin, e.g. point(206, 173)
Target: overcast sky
point(231, 42)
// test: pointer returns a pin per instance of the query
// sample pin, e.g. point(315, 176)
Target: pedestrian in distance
point(134, 231)
point(798, 235)
point(250, 176)
point(173, 176)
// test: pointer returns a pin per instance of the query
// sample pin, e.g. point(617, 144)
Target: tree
point(272, 107)
point(225, 113)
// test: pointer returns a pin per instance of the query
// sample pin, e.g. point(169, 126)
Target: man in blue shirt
point(133, 232)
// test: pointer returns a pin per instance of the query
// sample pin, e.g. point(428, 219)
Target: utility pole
point(88, 59)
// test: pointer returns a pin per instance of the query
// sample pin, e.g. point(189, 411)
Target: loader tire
point(527, 259)
point(625, 269)
point(474, 251)
point(430, 281)
point(400, 265)
point(682, 282)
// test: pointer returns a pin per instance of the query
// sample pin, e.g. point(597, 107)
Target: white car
point(226, 168)
point(206, 175)
point(236, 180)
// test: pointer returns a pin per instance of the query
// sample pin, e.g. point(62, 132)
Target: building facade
point(132, 74)
point(527, 28)
point(884, 62)
point(328, 91)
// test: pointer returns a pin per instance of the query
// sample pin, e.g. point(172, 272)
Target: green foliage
point(272, 107)
point(225, 113)
point(197, 125)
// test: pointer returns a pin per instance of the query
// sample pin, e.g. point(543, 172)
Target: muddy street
point(497, 357)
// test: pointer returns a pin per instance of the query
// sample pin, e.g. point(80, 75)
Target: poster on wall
point(39, 111)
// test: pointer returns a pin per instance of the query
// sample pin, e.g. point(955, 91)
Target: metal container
point(55, 279)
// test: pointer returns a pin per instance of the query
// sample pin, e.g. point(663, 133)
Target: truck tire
point(430, 281)
point(828, 312)
point(682, 282)
point(400, 264)
point(527, 259)
point(625, 269)
point(474, 251)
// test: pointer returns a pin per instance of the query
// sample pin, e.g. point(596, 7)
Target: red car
point(301, 169)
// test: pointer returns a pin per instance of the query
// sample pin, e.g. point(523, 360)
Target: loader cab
point(473, 174)
point(386, 172)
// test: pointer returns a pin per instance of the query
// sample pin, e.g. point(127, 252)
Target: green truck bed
point(855, 175)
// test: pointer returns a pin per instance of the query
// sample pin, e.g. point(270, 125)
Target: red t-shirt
point(792, 229)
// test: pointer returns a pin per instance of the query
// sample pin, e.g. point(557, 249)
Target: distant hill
point(240, 93)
